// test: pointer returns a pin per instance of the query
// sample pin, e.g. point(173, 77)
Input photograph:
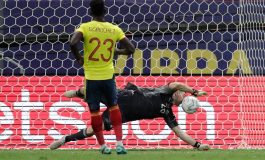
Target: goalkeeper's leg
point(75, 93)
point(82, 134)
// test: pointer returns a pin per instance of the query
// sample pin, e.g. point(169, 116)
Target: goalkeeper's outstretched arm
point(177, 86)
point(188, 139)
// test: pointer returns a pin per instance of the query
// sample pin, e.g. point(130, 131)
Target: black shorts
point(96, 89)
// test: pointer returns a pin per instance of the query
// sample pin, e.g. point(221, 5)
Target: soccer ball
point(190, 104)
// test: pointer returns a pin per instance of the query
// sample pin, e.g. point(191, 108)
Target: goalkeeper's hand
point(202, 93)
point(203, 147)
point(197, 93)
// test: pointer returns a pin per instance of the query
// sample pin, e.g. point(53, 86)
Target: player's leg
point(93, 94)
point(82, 134)
point(115, 114)
point(88, 132)
point(75, 93)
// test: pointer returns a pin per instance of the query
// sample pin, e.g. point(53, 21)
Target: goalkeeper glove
point(201, 147)
point(204, 147)
point(197, 93)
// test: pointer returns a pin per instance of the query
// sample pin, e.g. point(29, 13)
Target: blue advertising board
point(193, 36)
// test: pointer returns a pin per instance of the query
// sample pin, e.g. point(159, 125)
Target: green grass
point(133, 155)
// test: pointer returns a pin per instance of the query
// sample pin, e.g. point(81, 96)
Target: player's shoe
point(58, 143)
point(204, 147)
point(105, 150)
point(120, 150)
point(70, 94)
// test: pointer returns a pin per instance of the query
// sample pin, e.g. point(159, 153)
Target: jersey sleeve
point(171, 119)
point(120, 34)
point(80, 29)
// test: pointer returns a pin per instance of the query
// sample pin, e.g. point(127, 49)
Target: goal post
point(216, 46)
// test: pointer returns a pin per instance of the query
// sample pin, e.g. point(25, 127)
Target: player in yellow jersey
point(100, 39)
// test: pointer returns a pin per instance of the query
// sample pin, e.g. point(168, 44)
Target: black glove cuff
point(197, 145)
point(195, 92)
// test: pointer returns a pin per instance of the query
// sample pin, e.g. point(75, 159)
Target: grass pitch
point(183, 154)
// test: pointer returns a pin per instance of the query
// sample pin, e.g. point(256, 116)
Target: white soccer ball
point(190, 104)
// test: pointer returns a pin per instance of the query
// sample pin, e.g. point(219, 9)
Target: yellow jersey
point(99, 44)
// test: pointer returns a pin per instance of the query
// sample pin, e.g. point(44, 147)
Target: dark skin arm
point(75, 40)
point(127, 47)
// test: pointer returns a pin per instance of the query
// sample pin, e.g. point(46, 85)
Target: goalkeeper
point(138, 103)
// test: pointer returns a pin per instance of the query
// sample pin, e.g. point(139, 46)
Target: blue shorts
point(96, 89)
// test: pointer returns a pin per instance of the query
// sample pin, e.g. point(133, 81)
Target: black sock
point(79, 94)
point(77, 136)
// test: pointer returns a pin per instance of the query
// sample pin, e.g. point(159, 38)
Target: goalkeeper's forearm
point(176, 86)
point(185, 137)
point(181, 87)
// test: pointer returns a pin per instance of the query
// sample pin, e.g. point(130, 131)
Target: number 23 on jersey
point(108, 43)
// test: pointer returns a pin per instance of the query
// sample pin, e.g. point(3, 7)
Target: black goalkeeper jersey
point(145, 103)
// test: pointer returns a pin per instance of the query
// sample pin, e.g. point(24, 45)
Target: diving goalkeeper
point(138, 103)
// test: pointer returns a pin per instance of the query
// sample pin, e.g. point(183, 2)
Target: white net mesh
point(216, 46)
point(252, 42)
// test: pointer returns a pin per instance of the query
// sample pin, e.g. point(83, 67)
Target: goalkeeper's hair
point(97, 8)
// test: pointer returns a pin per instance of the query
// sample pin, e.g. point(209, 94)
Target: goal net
point(211, 45)
point(251, 41)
